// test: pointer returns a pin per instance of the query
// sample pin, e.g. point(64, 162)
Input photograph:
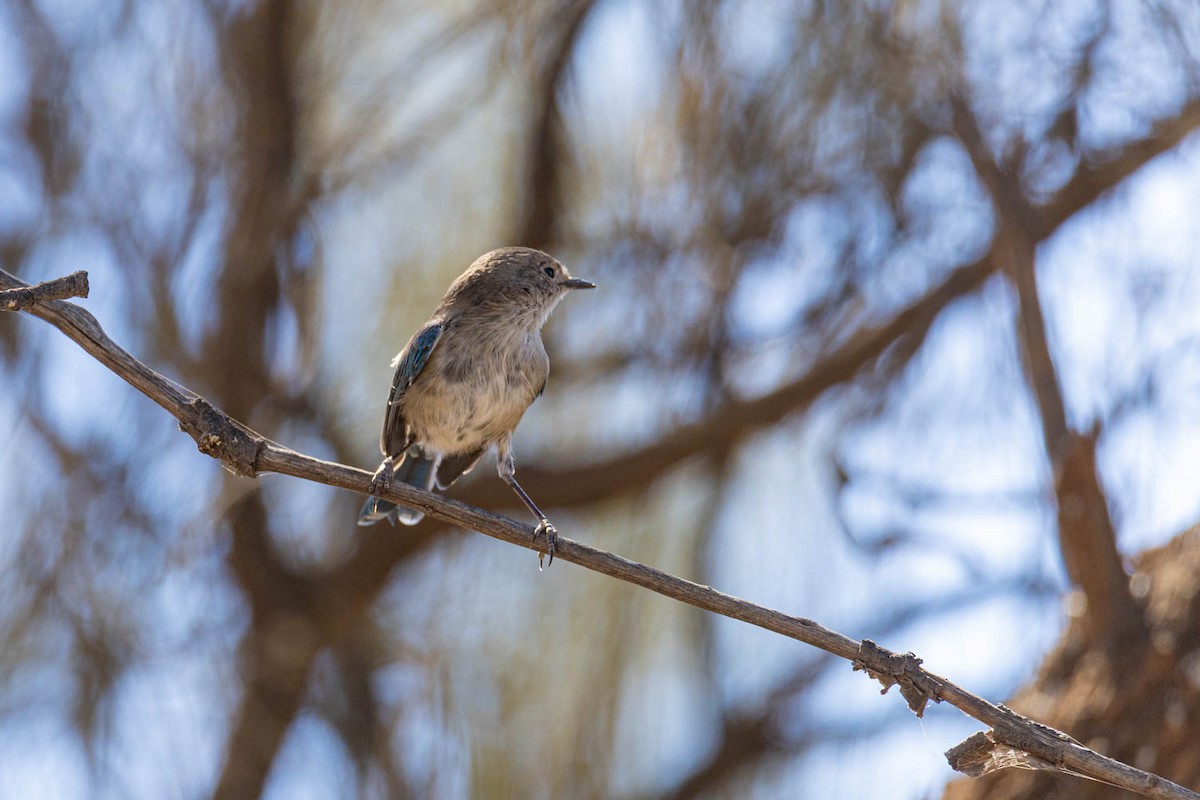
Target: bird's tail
point(416, 469)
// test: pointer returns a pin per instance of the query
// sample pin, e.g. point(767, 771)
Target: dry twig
point(25, 297)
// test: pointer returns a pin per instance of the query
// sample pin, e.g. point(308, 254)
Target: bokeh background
point(898, 330)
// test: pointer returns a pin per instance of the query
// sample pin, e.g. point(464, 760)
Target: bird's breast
point(475, 388)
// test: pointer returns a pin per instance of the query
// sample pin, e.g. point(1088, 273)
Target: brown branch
point(1104, 171)
point(544, 156)
point(568, 484)
point(751, 734)
point(73, 285)
point(257, 54)
point(1014, 246)
point(732, 421)
point(245, 452)
point(1087, 537)
point(276, 654)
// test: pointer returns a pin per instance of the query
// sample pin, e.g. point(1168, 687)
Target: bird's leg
point(381, 481)
point(507, 469)
point(544, 525)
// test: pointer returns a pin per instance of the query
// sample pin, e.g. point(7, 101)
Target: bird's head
point(527, 282)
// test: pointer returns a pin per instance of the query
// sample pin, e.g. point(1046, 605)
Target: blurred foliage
point(802, 381)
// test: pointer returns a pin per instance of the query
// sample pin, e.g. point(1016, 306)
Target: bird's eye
point(549, 272)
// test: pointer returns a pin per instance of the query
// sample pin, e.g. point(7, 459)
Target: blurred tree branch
point(257, 62)
point(542, 190)
point(1102, 171)
point(1013, 740)
point(1141, 716)
point(732, 420)
point(749, 735)
point(1087, 538)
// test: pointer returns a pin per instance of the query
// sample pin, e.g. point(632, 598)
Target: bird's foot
point(551, 532)
point(381, 481)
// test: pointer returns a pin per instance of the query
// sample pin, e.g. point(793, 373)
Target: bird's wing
point(409, 363)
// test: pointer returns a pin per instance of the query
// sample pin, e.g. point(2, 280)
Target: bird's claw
point(381, 481)
point(551, 532)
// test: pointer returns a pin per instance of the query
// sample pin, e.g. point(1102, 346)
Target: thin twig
point(1012, 740)
point(24, 297)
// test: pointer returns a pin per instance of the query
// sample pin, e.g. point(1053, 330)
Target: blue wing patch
point(413, 358)
point(408, 365)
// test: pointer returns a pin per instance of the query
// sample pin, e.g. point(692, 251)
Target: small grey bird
point(465, 378)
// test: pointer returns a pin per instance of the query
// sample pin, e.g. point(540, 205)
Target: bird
point(466, 377)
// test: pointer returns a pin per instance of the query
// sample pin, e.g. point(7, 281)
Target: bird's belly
point(467, 416)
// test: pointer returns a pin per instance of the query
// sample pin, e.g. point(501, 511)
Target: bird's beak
point(578, 283)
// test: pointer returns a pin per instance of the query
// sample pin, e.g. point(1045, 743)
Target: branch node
point(1030, 735)
point(917, 686)
point(218, 435)
point(981, 753)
